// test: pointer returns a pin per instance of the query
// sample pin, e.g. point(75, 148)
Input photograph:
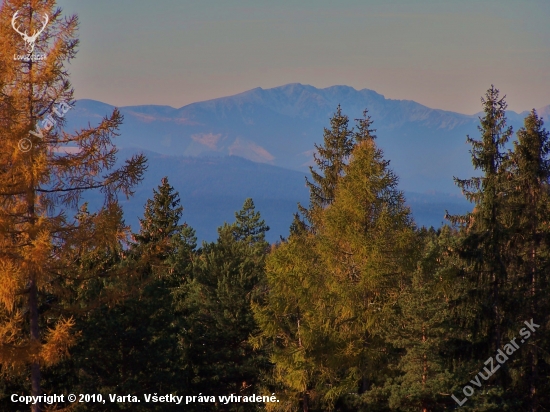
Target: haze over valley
point(260, 144)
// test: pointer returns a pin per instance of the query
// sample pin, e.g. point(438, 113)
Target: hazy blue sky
point(441, 53)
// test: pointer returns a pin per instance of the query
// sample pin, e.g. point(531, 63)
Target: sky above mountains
point(442, 54)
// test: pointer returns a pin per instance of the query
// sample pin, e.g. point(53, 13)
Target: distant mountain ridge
point(279, 126)
point(259, 144)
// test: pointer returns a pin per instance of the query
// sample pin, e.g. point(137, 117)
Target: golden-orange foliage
point(41, 184)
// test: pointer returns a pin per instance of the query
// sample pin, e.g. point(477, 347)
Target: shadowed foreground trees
point(503, 245)
point(530, 203)
point(136, 340)
point(214, 306)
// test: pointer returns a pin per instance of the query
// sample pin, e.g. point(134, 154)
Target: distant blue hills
point(212, 189)
point(260, 143)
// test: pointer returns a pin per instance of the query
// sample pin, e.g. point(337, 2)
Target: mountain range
point(260, 144)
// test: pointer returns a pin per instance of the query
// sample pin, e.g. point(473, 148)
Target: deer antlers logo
point(29, 40)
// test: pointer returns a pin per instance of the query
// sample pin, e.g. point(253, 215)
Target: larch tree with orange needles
point(44, 172)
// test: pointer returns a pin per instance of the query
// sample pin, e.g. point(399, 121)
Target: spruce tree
point(422, 329)
point(163, 239)
point(485, 235)
point(166, 246)
point(249, 226)
point(530, 249)
point(331, 158)
point(216, 315)
point(137, 338)
point(363, 128)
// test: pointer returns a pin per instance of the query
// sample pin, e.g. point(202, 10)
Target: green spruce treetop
point(364, 131)
point(162, 214)
point(330, 159)
point(488, 156)
point(486, 225)
point(163, 243)
point(484, 240)
point(531, 153)
point(249, 226)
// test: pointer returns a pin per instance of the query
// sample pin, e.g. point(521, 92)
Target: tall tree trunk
point(498, 268)
point(424, 366)
point(35, 337)
point(533, 389)
point(534, 238)
point(33, 288)
point(533, 357)
point(424, 360)
point(364, 385)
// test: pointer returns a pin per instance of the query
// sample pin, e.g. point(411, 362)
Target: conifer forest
point(358, 308)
